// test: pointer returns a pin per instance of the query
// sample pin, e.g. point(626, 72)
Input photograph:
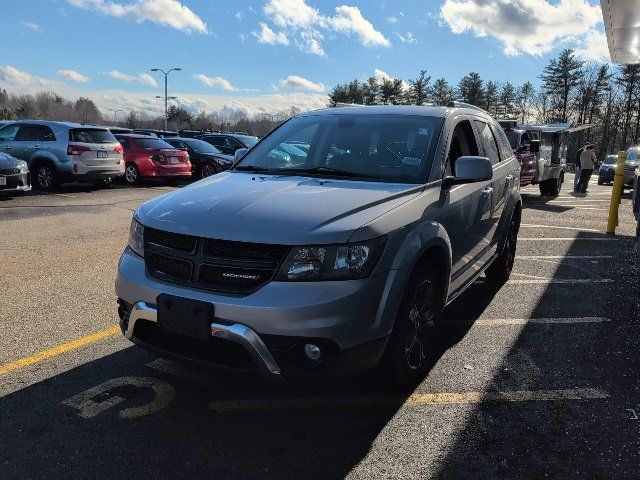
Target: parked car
point(607, 170)
point(205, 159)
point(155, 133)
point(631, 165)
point(230, 142)
point(120, 130)
point(147, 157)
point(14, 174)
point(334, 263)
point(59, 152)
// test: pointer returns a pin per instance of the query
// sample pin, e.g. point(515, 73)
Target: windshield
point(200, 146)
point(153, 143)
point(632, 154)
point(513, 138)
point(610, 160)
point(247, 140)
point(387, 148)
point(90, 135)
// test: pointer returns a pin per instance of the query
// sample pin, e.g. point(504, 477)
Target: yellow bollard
point(616, 194)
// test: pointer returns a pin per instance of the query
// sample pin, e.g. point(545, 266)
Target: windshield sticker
point(423, 131)
point(411, 161)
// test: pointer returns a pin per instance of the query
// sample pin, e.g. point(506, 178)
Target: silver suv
point(58, 152)
point(332, 246)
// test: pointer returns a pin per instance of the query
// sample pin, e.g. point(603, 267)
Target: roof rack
point(459, 104)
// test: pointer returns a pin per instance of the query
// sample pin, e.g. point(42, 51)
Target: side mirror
point(470, 170)
point(237, 156)
point(534, 146)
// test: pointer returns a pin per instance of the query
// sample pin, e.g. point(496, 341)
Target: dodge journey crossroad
point(330, 247)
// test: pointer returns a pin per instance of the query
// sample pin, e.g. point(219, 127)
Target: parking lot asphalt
point(539, 379)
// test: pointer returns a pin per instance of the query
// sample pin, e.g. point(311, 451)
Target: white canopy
point(622, 24)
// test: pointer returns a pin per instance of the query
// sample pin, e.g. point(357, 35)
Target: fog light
point(312, 352)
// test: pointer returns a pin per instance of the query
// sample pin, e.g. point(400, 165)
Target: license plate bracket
point(174, 160)
point(102, 154)
point(3, 181)
point(184, 316)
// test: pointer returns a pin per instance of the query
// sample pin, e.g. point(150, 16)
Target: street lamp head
point(159, 96)
point(177, 69)
point(155, 69)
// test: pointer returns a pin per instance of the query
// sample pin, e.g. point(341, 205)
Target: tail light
point(186, 158)
point(118, 149)
point(77, 149)
point(158, 158)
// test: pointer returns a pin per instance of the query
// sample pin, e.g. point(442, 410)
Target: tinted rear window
point(91, 135)
point(513, 138)
point(247, 140)
point(153, 143)
point(609, 160)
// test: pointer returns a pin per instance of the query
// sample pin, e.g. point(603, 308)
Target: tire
point(552, 186)
point(132, 174)
point(207, 169)
point(44, 177)
point(411, 350)
point(500, 269)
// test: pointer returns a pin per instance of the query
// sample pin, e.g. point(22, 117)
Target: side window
point(463, 143)
point(488, 141)
point(8, 133)
point(504, 147)
point(45, 134)
point(232, 142)
point(124, 142)
point(217, 141)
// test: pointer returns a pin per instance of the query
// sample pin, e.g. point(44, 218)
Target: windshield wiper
point(332, 171)
point(254, 168)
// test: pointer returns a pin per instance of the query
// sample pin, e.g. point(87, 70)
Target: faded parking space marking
point(527, 321)
point(558, 281)
point(417, 399)
point(563, 257)
point(58, 350)
point(590, 230)
point(568, 239)
point(98, 399)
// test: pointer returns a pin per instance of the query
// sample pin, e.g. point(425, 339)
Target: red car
point(520, 141)
point(152, 157)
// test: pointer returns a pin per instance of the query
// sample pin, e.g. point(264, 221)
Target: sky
point(268, 55)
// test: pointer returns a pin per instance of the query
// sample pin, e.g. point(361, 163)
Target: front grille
point(218, 265)
point(9, 171)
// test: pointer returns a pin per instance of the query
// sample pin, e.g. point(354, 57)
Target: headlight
point(23, 167)
point(332, 262)
point(136, 237)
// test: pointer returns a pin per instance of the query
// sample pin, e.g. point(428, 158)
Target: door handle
point(7, 147)
point(509, 177)
point(487, 191)
point(36, 147)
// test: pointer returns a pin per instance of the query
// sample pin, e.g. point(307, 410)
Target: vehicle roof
point(422, 110)
point(136, 135)
point(57, 123)
point(229, 134)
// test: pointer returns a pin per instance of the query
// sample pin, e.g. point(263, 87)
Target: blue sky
point(266, 55)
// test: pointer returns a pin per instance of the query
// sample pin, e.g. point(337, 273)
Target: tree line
point(51, 106)
point(571, 91)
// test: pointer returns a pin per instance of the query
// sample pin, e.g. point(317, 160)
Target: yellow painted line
point(59, 350)
point(417, 399)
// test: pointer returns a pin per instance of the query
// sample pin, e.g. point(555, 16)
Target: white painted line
point(568, 239)
point(529, 276)
point(526, 321)
point(592, 230)
point(64, 195)
point(415, 400)
point(559, 281)
point(563, 257)
point(178, 370)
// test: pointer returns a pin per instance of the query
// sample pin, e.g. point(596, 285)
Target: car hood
point(7, 161)
point(289, 210)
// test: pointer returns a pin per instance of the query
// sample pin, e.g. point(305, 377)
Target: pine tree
point(560, 77)
point(471, 89)
point(507, 98)
point(419, 90)
point(524, 99)
point(441, 92)
point(491, 97)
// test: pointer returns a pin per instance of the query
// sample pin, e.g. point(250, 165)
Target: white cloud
point(18, 78)
point(523, 26)
point(239, 15)
point(219, 82)
point(269, 37)
point(392, 19)
point(407, 37)
point(171, 13)
point(142, 78)
point(296, 82)
point(380, 75)
point(73, 76)
point(301, 19)
point(349, 20)
point(32, 26)
point(594, 47)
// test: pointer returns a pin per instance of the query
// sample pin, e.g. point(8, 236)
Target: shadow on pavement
point(578, 439)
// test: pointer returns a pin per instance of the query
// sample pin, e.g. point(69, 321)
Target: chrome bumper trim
point(237, 333)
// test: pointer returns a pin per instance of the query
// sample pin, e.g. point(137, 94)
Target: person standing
point(587, 162)
point(576, 169)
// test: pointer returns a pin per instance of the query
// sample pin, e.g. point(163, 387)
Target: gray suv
point(59, 152)
point(332, 246)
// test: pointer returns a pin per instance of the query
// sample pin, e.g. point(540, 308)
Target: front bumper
point(349, 320)
point(16, 183)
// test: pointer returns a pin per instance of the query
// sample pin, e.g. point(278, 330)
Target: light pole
point(166, 98)
point(115, 115)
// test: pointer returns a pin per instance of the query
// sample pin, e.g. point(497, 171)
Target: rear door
point(7, 138)
point(95, 147)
